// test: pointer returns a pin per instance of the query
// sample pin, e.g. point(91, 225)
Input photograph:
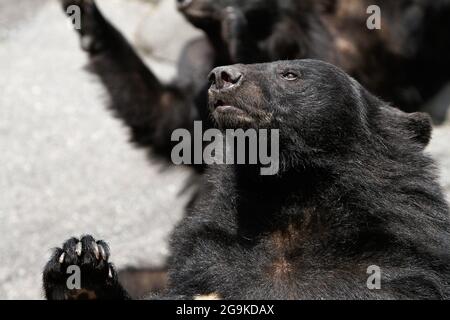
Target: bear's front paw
point(80, 270)
point(234, 31)
point(91, 25)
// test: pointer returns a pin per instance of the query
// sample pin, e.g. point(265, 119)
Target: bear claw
point(90, 256)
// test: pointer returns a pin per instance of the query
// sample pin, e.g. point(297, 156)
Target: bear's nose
point(224, 78)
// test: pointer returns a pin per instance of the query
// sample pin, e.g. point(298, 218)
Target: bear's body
point(354, 190)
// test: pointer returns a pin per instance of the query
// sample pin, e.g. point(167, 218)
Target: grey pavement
point(66, 166)
point(439, 149)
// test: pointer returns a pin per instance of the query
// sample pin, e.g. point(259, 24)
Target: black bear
point(355, 193)
point(404, 62)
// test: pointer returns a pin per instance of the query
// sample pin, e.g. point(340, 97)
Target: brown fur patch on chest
point(287, 243)
point(82, 294)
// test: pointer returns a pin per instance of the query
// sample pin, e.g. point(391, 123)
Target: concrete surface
point(440, 150)
point(165, 32)
point(66, 167)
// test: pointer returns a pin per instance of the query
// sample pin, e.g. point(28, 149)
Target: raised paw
point(91, 25)
point(80, 270)
point(234, 30)
point(233, 20)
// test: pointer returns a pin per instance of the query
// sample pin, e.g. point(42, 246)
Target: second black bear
point(404, 62)
point(355, 191)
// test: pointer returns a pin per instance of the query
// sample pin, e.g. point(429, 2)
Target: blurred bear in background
point(404, 61)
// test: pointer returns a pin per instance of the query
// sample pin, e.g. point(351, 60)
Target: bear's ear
point(420, 127)
point(415, 126)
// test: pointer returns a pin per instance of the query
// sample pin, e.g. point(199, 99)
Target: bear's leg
point(242, 47)
point(80, 270)
point(150, 109)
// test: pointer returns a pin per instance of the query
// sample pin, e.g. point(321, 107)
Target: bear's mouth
point(221, 107)
point(226, 113)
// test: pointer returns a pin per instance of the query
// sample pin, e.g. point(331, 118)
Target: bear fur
point(355, 190)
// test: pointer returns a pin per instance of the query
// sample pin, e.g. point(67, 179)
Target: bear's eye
point(290, 76)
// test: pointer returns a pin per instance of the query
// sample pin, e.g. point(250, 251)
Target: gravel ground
point(67, 168)
point(440, 151)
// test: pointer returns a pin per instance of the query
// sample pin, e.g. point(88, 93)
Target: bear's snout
point(224, 78)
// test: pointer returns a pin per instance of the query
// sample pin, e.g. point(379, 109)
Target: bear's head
point(260, 15)
point(320, 111)
point(209, 14)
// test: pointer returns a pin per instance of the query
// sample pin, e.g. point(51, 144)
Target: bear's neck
point(289, 204)
point(305, 184)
